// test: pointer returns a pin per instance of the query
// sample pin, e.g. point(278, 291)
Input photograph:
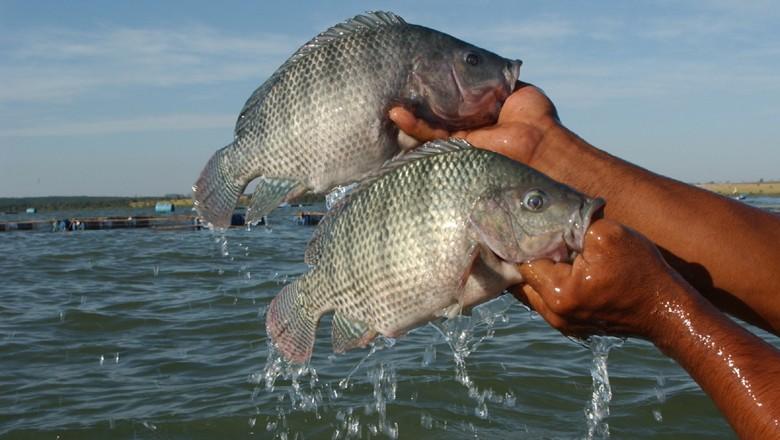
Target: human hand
point(617, 286)
point(522, 123)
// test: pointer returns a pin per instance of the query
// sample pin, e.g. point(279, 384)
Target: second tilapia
point(321, 119)
point(430, 234)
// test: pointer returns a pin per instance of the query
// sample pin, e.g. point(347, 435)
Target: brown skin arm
point(621, 285)
point(728, 251)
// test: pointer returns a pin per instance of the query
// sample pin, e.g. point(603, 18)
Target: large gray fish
point(431, 233)
point(321, 119)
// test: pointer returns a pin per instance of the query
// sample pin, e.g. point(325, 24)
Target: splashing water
point(307, 392)
point(660, 394)
point(460, 333)
point(337, 194)
point(299, 387)
point(597, 409)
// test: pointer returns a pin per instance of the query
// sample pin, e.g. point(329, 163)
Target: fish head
point(535, 221)
point(458, 85)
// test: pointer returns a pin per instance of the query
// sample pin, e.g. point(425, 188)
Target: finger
point(415, 127)
point(517, 292)
point(547, 278)
point(520, 84)
point(532, 299)
point(537, 303)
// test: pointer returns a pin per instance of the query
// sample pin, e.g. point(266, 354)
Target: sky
point(132, 98)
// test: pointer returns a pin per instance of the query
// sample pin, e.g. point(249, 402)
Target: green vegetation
point(57, 203)
point(760, 188)
point(54, 203)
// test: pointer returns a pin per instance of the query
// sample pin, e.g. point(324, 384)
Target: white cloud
point(55, 63)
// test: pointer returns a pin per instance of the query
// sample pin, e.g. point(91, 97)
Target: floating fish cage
point(164, 207)
point(94, 223)
point(308, 218)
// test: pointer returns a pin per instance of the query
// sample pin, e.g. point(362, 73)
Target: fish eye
point(534, 200)
point(472, 59)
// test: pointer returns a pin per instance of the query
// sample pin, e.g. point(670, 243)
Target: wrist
point(563, 155)
point(677, 312)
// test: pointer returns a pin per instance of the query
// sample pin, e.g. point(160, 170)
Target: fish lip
point(580, 221)
point(512, 74)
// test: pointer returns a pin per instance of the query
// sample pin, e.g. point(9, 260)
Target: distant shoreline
point(60, 203)
point(54, 203)
point(771, 188)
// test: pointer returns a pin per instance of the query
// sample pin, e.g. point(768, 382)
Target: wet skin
point(621, 285)
point(708, 247)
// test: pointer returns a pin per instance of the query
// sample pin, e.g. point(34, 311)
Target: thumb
point(415, 127)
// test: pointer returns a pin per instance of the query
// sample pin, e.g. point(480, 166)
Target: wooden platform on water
point(163, 222)
point(167, 222)
point(309, 218)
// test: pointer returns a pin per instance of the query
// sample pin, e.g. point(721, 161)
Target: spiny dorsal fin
point(359, 23)
point(433, 148)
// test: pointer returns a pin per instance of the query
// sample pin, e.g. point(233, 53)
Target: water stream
point(597, 410)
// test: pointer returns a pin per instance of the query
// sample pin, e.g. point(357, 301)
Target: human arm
point(729, 251)
point(620, 285)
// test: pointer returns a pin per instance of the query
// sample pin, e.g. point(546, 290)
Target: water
point(151, 334)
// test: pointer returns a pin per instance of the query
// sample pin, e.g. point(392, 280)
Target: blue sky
point(132, 98)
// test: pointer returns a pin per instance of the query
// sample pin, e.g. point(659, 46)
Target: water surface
point(153, 334)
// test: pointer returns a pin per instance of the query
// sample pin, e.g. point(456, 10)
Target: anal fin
point(268, 194)
point(348, 334)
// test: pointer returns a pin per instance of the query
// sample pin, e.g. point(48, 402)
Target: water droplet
point(481, 411)
point(510, 399)
point(429, 355)
point(426, 421)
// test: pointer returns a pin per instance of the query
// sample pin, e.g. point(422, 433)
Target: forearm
point(738, 370)
point(729, 251)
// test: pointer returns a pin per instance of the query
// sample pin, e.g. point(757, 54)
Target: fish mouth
point(580, 221)
point(482, 105)
point(512, 75)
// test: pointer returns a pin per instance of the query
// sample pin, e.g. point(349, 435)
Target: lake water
point(152, 334)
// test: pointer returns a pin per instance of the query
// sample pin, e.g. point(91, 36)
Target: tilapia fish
point(430, 234)
point(321, 119)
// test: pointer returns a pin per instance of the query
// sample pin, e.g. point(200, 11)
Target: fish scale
point(421, 238)
point(321, 119)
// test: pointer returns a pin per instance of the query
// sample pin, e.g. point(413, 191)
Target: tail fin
point(220, 184)
point(291, 324)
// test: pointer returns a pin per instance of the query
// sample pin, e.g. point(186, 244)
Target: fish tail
point(290, 323)
point(219, 186)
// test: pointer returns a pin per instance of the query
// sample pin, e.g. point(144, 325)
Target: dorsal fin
point(433, 148)
point(359, 23)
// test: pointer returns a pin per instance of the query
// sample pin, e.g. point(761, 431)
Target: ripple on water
point(137, 333)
